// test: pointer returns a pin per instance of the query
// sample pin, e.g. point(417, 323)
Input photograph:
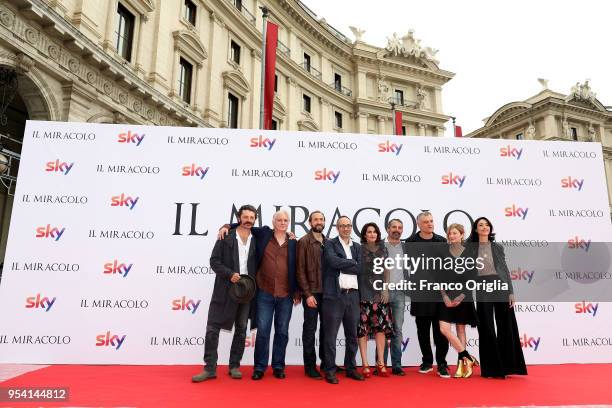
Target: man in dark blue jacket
point(341, 297)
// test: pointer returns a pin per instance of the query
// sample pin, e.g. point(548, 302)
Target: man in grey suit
point(341, 299)
point(231, 257)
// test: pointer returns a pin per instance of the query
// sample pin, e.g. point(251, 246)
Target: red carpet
point(170, 386)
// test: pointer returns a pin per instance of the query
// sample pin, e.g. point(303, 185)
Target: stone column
point(362, 122)
point(215, 98)
point(422, 129)
point(381, 125)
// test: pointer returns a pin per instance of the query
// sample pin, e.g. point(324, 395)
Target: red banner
point(398, 123)
point(271, 44)
point(458, 131)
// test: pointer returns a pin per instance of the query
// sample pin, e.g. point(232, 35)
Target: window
point(338, 82)
point(307, 62)
point(519, 136)
point(124, 35)
point(399, 97)
point(235, 52)
point(574, 133)
point(190, 12)
point(232, 111)
point(403, 130)
point(274, 125)
point(306, 104)
point(185, 76)
point(275, 83)
point(338, 120)
point(238, 4)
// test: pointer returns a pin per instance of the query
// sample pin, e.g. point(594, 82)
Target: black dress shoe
point(257, 375)
point(313, 373)
point(331, 378)
point(354, 375)
point(279, 373)
point(398, 371)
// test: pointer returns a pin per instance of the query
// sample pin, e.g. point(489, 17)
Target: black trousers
point(423, 324)
point(344, 310)
point(211, 341)
point(309, 329)
point(500, 353)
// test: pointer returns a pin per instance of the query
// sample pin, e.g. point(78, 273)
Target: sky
point(496, 49)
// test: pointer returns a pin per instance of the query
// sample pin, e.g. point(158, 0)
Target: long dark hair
point(365, 228)
point(474, 234)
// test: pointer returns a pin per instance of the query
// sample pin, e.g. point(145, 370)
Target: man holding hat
point(234, 261)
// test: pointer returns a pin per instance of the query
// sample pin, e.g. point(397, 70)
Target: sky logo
point(124, 201)
point(116, 267)
point(516, 212)
point(530, 342)
point(195, 171)
point(453, 179)
point(50, 232)
point(579, 243)
point(521, 274)
point(38, 302)
point(130, 137)
point(108, 340)
point(511, 152)
point(586, 308)
point(327, 175)
point(263, 142)
point(388, 147)
point(572, 183)
point(185, 304)
point(59, 167)
point(250, 341)
point(405, 343)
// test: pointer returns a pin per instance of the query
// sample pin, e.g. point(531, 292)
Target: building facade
point(198, 63)
point(578, 116)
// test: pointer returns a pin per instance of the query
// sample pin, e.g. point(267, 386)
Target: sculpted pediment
point(408, 47)
point(506, 111)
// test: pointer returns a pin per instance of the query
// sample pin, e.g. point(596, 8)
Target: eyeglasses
point(345, 225)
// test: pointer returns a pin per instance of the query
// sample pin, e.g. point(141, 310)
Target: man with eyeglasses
point(341, 296)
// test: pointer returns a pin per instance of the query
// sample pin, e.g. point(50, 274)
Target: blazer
point(224, 261)
point(335, 261)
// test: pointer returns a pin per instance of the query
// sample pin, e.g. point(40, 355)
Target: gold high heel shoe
point(459, 373)
point(476, 363)
point(467, 367)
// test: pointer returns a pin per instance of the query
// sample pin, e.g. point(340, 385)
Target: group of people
point(337, 282)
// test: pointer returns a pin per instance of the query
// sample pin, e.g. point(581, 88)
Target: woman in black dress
point(500, 353)
point(458, 306)
point(375, 320)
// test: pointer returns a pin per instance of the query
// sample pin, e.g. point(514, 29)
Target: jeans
point(269, 307)
point(311, 316)
point(211, 341)
point(397, 300)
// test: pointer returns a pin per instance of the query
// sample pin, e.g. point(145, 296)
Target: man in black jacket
point(424, 244)
point(341, 298)
point(231, 257)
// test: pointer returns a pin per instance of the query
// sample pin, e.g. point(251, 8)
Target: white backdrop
point(119, 271)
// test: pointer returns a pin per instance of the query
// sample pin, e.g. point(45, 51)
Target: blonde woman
point(458, 307)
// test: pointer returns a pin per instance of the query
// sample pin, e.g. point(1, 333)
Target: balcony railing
point(342, 89)
point(283, 49)
point(243, 10)
point(402, 102)
point(312, 71)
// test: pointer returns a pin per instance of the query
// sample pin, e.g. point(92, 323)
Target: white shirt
point(243, 253)
point(345, 280)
